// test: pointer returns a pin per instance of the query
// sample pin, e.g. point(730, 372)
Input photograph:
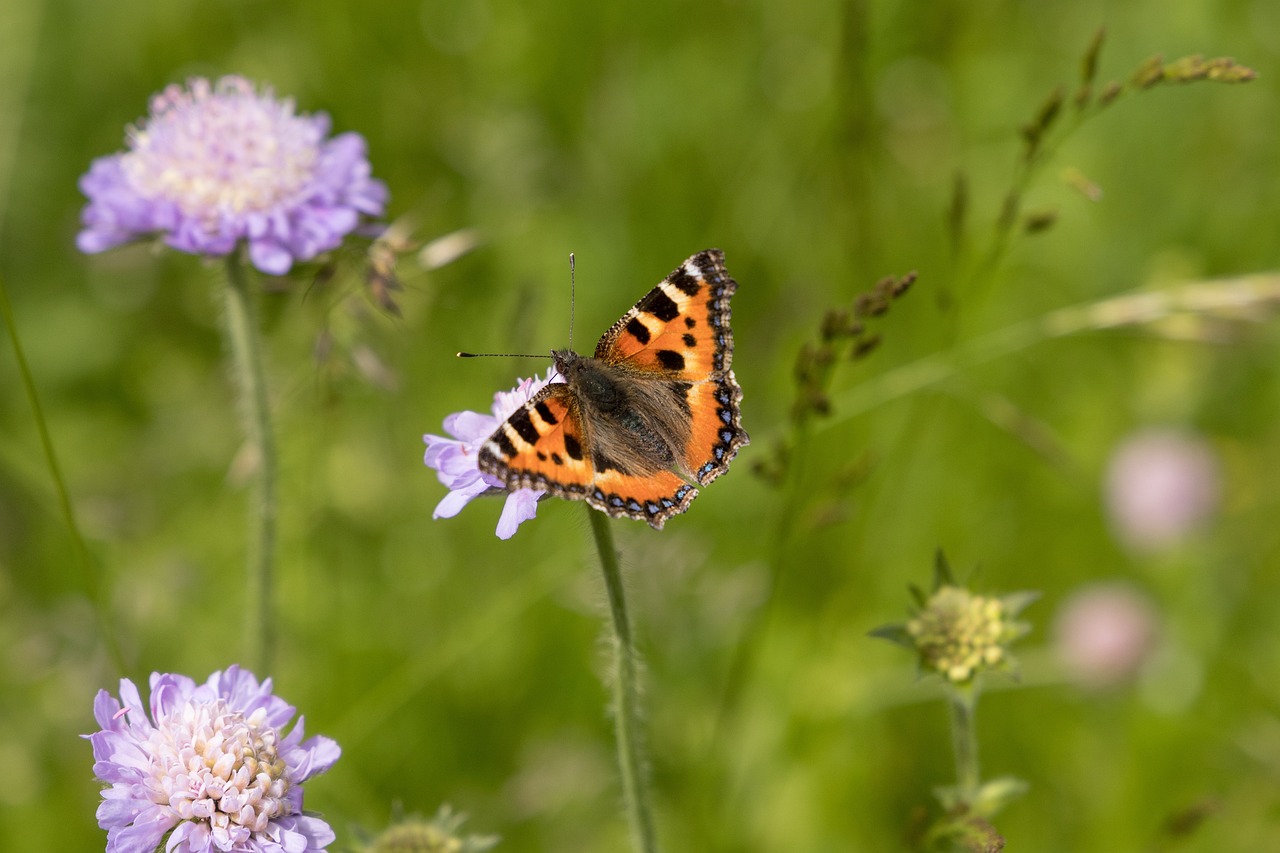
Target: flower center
point(212, 764)
point(224, 151)
point(959, 633)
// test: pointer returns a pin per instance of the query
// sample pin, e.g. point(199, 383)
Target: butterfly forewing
point(541, 446)
point(680, 328)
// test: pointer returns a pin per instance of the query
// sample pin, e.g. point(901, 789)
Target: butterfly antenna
point(499, 355)
point(572, 301)
point(530, 355)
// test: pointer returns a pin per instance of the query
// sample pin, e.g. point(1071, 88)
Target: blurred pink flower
point(1104, 633)
point(1161, 485)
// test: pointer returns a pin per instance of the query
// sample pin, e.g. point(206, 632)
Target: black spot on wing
point(544, 412)
point(670, 359)
point(690, 341)
point(684, 282)
point(523, 425)
point(571, 447)
point(504, 444)
point(638, 330)
point(689, 322)
point(660, 305)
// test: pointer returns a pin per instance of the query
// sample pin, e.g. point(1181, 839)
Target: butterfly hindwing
point(653, 498)
point(716, 430)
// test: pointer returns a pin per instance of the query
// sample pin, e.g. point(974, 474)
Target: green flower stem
point(964, 740)
point(246, 355)
point(626, 691)
point(89, 571)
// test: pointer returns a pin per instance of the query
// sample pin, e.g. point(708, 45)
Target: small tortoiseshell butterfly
point(632, 429)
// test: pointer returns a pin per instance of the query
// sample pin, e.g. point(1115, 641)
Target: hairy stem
point(964, 741)
point(626, 692)
point(246, 355)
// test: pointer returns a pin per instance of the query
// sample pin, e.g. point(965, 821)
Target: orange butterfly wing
point(542, 446)
point(679, 331)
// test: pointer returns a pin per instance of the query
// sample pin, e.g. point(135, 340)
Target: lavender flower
point(211, 768)
point(217, 163)
point(456, 459)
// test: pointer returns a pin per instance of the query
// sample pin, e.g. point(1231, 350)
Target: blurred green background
point(817, 143)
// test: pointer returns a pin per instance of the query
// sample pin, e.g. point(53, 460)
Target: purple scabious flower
point(219, 162)
point(456, 460)
point(210, 767)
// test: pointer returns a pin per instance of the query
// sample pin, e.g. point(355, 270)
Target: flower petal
point(270, 257)
point(521, 506)
point(452, 503)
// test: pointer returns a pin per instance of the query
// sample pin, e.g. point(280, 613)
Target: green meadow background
point(818, 144)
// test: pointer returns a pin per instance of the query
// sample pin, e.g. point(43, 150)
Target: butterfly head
point(567, 362)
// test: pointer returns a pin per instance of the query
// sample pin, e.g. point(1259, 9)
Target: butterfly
point(634, 429)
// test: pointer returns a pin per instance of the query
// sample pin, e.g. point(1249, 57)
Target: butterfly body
point(653, 413)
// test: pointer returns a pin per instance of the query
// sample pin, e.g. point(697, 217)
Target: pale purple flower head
point(219, 162)
point(211, 767)
point(1161, 485)
point(456, 459)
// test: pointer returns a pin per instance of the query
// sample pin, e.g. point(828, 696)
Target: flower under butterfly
point(210, 767)
point(456, 460)
point(219, 162)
